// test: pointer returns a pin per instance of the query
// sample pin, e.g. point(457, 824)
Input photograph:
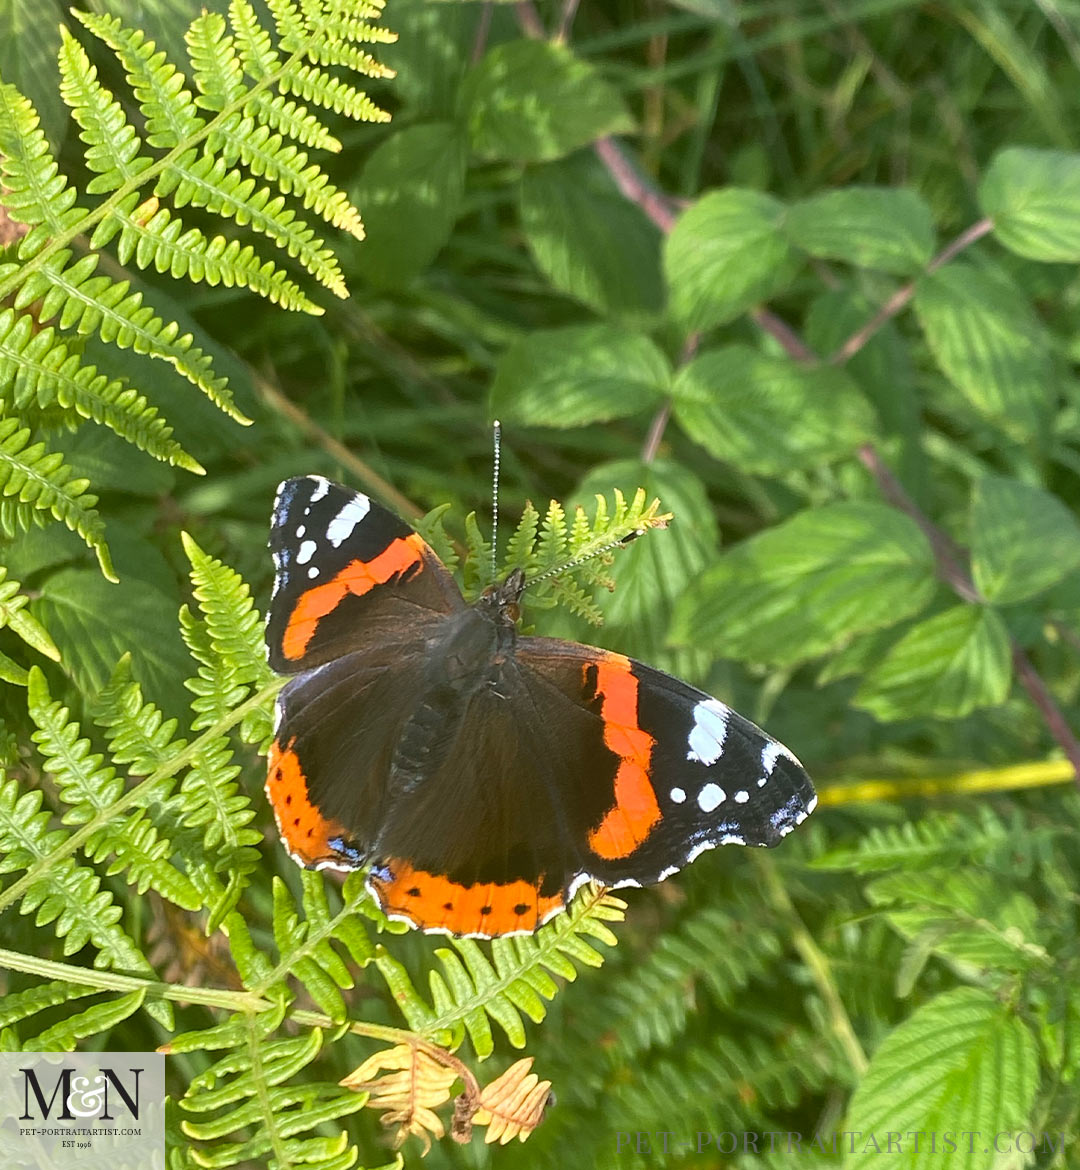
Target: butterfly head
point(503, 597)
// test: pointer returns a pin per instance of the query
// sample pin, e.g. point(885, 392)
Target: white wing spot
point(301, 530)
point(322, 486)
point(710, 796)
point(706, 740)
point(770, 753)
point(732, 839)
point(313, 572)
point(677, 795)
point(346, 520)
point(742, 796)
point(307, 551)
point(761, 782)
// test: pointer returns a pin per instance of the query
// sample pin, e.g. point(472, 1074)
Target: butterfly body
point(484, 775)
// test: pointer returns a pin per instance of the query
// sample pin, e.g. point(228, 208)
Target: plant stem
point(11, 894)
point(951, 569)
point(902, 295)
point(219, 997)
point(364, 472)
point(817, 963)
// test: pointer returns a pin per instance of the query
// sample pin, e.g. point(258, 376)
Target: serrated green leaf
point(725, 254)
point(805, 586)
point(946, 666)
point(962, 1062)
point(887, 229)
point(536, 101)
point(1033, 197)
point(577, 375)
point(986, 338)
point(410, 195)
point(1023, 539)
point(768, 414)
point(589, 240)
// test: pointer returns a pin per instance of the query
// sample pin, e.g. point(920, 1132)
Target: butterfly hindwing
point(348, 574)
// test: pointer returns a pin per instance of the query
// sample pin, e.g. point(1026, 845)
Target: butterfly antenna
point(497, 441)
point(557, 570)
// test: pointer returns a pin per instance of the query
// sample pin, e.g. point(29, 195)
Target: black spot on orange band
point(305, 831)
point(434, 902)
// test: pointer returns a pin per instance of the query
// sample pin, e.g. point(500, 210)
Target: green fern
point(231, 143)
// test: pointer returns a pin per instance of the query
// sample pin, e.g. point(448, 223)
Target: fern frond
point(472, 990)
point(65, 1035)
point(42, 370)
point(711, 951)
point(235, 626)
point(513, 1105)
point(33, 479)
point(232, 143)
point(167, 105)
point(291, 119)
point(87, 303)
point(306, 945)
point(913, 844)
point(114, 149)
point(14, 615)
point(208, 183)
point(21, 1005)
point(163, 242)
point(311, 84)
point(88, 787)
point(35, 192)
point(247, 1089)
point(63, 893)
point(216, 69)
point(412, 1086)
point(265, 154)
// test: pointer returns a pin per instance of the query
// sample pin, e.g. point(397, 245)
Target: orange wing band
point(358, 577)
point(434, 902)
point(305, 831)
point(631, 818)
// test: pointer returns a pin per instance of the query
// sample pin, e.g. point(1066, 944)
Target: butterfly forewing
point(348, 575)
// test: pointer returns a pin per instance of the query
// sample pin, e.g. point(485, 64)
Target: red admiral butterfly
point(484, 775)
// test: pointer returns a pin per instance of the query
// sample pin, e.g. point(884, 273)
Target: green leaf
point(964, 1062)
point(807, 585)
point(883, 228)
point(410, 195)
point(95, 623)
point(768, 414)
point(964, 915)
point(986, 338)
point(577, 375)
point(654, 571)
point(1033, 197)
point(589, 240)
point(946, 666)
point(29, 43)
point(725, 254)
point(1023, 539)
point(536, 101)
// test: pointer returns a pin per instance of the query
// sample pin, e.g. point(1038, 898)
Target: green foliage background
point(807, 273)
